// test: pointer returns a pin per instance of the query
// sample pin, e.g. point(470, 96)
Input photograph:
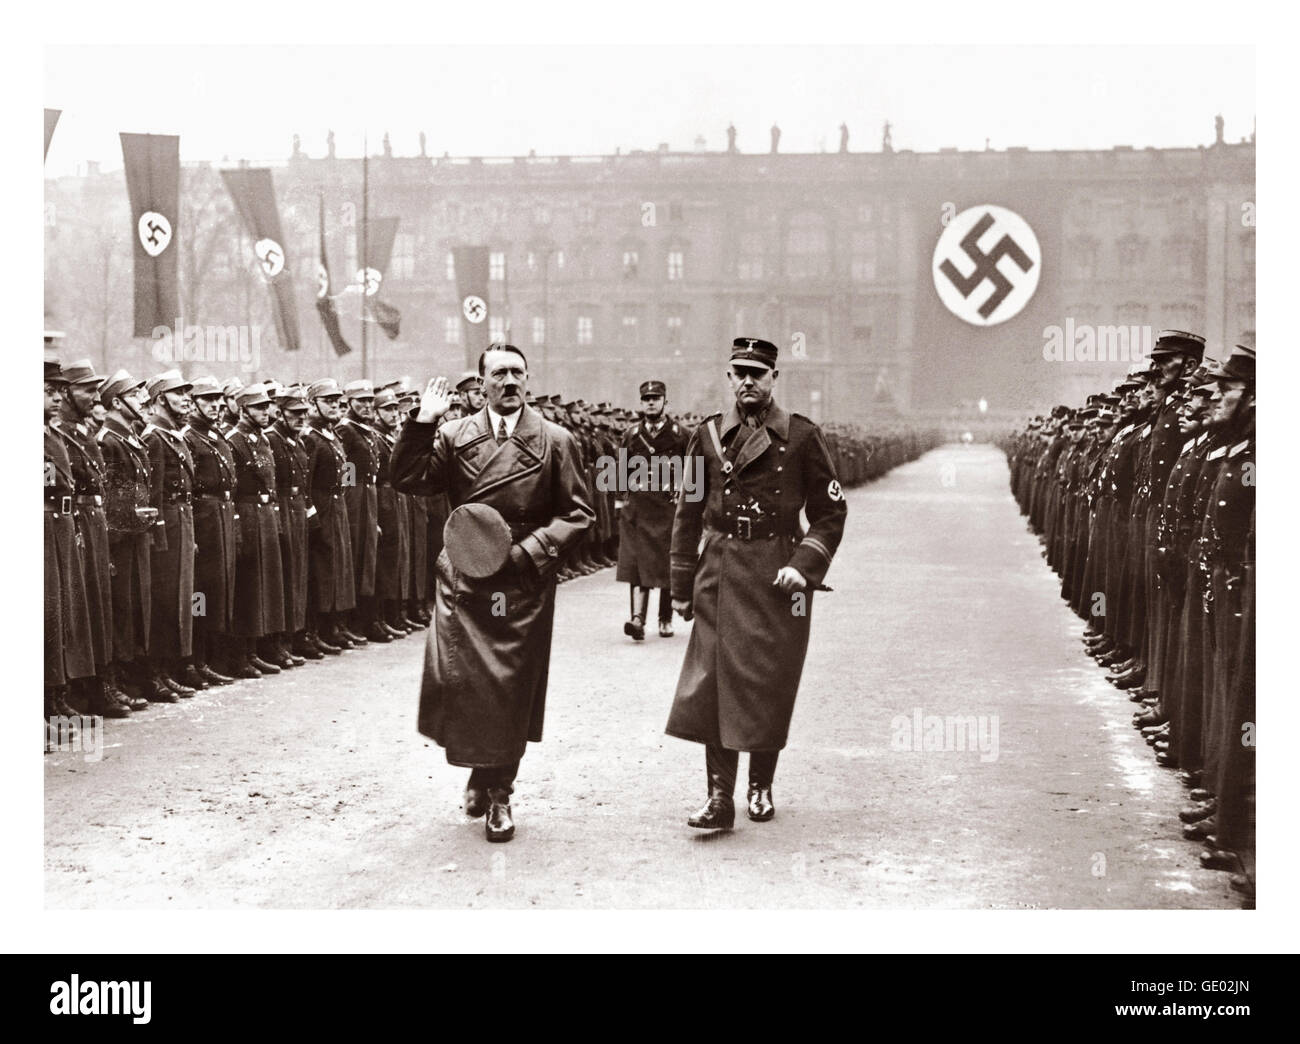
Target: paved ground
point(314, 790)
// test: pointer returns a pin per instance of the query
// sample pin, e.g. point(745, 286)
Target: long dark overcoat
point(483, 696)
point(645, 523)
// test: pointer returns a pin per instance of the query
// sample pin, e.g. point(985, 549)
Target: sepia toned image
point(610, 478)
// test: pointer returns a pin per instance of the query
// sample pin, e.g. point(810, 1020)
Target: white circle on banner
point(270, 255)
point(475, 308)
point(155, 232)
point(370, 278)
point(986, 265)
point(322, 281)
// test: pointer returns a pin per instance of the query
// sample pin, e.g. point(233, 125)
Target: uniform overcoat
point(331, 585)
point(92, 533)
point(68, 647)
point(259, 573)
point(745, 657)
point(483, 695)
point(645, 523)
point(290, 482)
point(361, 493)
point(393, 566)
point(215, 528)
point(171, 570)
point(126, 465)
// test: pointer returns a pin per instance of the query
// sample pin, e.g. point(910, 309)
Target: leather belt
point(177, 498)
point(745, 527)
point(261, 498)
point(223, 496)
point(59, 505)
point(87, 499)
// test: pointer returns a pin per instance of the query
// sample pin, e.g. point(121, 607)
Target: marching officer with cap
point(69, 650)
point(653, 449)
point(92, 530)
point(358, 440)
point(290, 455)
point(216, 539)
point(258, 602)
point(130, 521)
point(745, 568)
point(171, 569)
point(331, 582)
point(514, 477)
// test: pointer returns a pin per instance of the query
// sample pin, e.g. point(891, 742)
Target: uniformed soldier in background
point(743, 565)
point(654, 447)
point(393, 565)
point(215, 538)
point(171, 569)
point(470, 388)
point(257, 615)
point(331, 579)
point(69, 652)
point(229, 415)
point(73, 424)
point(130, 521)
point(285, 438)
point(361, 493)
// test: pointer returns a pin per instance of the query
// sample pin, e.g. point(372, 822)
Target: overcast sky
point(247, 102)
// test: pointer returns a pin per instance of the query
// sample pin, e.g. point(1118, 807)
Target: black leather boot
point(719, 812)
point(762, 767)
point(499, 826)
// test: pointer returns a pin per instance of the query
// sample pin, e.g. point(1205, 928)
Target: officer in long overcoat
point(285, 438)
point(331, 586)
point(653, 449)
point(361, 493)
point(483, 696)
point(744, 566)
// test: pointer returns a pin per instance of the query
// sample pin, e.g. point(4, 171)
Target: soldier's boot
point(719, 812)
point(305, 648)
point(104, 701)
point(256, 661)
point(211, 675)
point(499, 824)
point(159, 691)
point(270, 650)
point(115, 678)
point(283, 645)
point(762, 768)
point(193, 677)
point(665, 613)
point(371, 625)
point(59, 707)
point(639, 599)
point(322, 645)
point(171, 678)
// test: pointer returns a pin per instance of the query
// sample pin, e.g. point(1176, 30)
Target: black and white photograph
point(646, 473)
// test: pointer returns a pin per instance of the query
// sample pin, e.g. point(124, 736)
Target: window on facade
point(1083, 259)
point(807, 254)
point(451, 329)
point(542, 215)
point(631, 260)
point(586, 215)
point(531, 261)
point(402, 265)
point(862, 336)
point(1178, 258)
point(539, 330)
point(452, 213)
point(863, 264)
point(676, 264)
point(1248, 255)
point(584, 329)
point(674, 329)
point(497, 266)
point(496, 328)
point(451, 266)
point(629, 331)
point(559, 260)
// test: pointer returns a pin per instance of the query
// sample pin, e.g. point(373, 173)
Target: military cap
point(204, 387)
point(755, 351)
point(293, 398)
point(119, 384)
point(1239, 366)
point(468, 378)
point(1131, 382)
point(1060, 411)
point(81, 372)
point(530, 399)
point(653, 388)
point(324, 388)
point(231, 386)
point(168, 380)
point(385, 397)
point(253, 395)
point(1087, 412)
point(1108, 399)
point(53, 371)
point(395, 385)
point(360, 389)
point(1178, 342)
point(273, 388)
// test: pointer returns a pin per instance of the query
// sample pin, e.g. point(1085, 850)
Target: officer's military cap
point(232, 386)
point(1130, 383)
point(385, 397)
point(253, 395)
point(395, 385)
point(119, 384)
point(81, 372)
point(1240, 365)
point(1109, 399)
point(326, 387)
point(167, 381)
point(273, 388)
point(530, 399)
point(754, 351)
point(360, 389)
point(653, 388)
point(1178, 342)
point(53, 371)
point(204, 387)
point(468, 379)
point(293, 398)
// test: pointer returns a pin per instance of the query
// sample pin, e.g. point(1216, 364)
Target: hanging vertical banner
point(51, 121)
point(471, 264)
point(375, 248)
point(254, 194)
point(325, 306)
point(153, 179)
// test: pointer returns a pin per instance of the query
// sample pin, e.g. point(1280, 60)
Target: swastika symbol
point(475, 308)
point(959, 247)
point(155, 232)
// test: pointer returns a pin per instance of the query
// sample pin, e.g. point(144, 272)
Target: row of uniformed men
point(1144, 500)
